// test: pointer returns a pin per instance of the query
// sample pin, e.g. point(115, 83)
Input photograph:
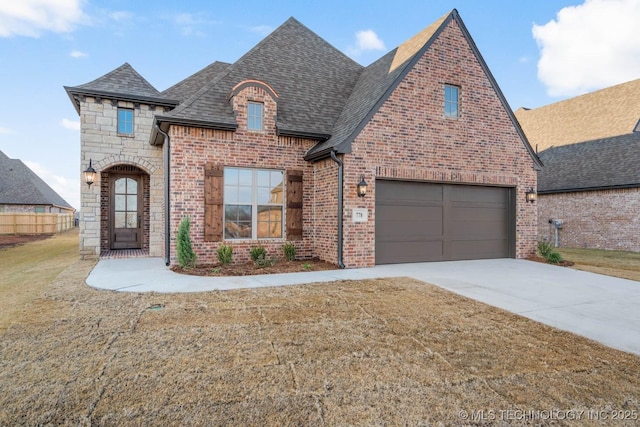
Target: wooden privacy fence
point(34, 223)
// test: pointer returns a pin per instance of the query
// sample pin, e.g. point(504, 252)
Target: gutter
point(167, 169)
point(340, 206)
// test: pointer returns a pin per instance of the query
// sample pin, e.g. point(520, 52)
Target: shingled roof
point(19, 185)
point(605, 163)
point(312, 78)
point(123, 83)
point(189, 86)
point(604, 113)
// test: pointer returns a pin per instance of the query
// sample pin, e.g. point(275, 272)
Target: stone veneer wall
point(603, 219)
point(409, 138)
point(101, 143)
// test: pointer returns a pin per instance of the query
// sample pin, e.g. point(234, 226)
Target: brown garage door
point(418, 222)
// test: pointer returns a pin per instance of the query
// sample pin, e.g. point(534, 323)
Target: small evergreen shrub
point(186, 255)
point(225, 254)
point(258, 252)
point(554, 257)
point(263, 261)
point(289, 250)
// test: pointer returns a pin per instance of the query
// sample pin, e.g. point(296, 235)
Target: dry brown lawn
point(374, 352)
point(611, 263)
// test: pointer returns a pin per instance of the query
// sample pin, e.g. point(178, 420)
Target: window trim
point(448, 103)
point(255, 205)
point(128, 134)
point(249, 116)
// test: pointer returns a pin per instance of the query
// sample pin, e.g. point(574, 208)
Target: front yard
point(611, 263)
point(373, 352)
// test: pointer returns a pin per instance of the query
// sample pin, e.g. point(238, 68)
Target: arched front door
point(125, 213)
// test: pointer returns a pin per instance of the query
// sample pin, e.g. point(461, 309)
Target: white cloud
point(589, 46)
point(68, 189)
point(78, 54)
point(70, 124)
point(369, 40)
point(5, 131)
point(32, 17)
point(366, 40)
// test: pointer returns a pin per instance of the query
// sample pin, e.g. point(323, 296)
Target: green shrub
point(263, 261)
point(258, 252)
point(289, 250)
point(186, 255)
point(554, 257)
point(548, 252)
point(225, 254)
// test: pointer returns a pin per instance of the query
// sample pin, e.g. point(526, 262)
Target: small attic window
point(451, 101)
point(125, 121)
point(254, 115)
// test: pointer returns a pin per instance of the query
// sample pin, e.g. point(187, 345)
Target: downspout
point(167, 169)
point(340, 205)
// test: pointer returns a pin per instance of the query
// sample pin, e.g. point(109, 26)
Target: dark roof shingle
point(602, 163)
point(19, 185)
point(312, 79)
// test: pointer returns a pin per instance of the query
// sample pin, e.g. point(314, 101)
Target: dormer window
point(254, 115)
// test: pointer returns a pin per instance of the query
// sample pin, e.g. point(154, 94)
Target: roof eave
point(596, 188)
point(73, 92)
point(165, 121)
point(321, 137)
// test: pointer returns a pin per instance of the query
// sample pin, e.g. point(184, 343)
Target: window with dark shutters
point(213, 203)
point(294, 205)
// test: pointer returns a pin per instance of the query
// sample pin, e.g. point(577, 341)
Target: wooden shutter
point(213, 204)
point(294, 205)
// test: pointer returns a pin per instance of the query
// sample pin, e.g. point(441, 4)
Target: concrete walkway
point(603, 308)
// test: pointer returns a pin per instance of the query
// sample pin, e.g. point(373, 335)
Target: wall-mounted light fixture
point(362, 187)
point(89, 175)
point(531, 195)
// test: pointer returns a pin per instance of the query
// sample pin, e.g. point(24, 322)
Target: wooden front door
point(125, 216)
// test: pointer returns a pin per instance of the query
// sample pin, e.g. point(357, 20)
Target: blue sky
point(539, 52)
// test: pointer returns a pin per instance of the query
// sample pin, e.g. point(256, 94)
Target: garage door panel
point(418, 222)
point(401, 252)
point(478, 249)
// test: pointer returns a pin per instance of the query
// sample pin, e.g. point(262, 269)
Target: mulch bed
point(250, 269)
point(563, 263)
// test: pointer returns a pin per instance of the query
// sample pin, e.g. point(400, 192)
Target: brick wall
point(100, 142)
point(192, 148)
point(606, 219)
point(409, 138)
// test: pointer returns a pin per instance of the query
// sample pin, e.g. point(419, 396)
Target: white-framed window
point(451, 101)
point(253, 203)
point(254, 115)
point(125, 121)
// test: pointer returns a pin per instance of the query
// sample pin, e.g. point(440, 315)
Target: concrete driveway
point(605, 309)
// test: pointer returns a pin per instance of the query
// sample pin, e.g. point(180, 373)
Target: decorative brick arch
point(120, 159)
point(253, 83)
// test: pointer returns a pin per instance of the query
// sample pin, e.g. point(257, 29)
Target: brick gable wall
point(192, 148)
point(409, 138)
point(605, 219)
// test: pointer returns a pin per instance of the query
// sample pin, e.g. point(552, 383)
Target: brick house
point(271, 148)
point(590, 146)
point(594, 187)
point(21, 190)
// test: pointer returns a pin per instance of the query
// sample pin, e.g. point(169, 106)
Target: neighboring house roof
point(605, 163)
point(601, 114)
point(123, 83)
point(19, 185)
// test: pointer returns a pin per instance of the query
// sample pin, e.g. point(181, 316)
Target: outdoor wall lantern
point(89, 175)
point(531, 195)
point(362, 187)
